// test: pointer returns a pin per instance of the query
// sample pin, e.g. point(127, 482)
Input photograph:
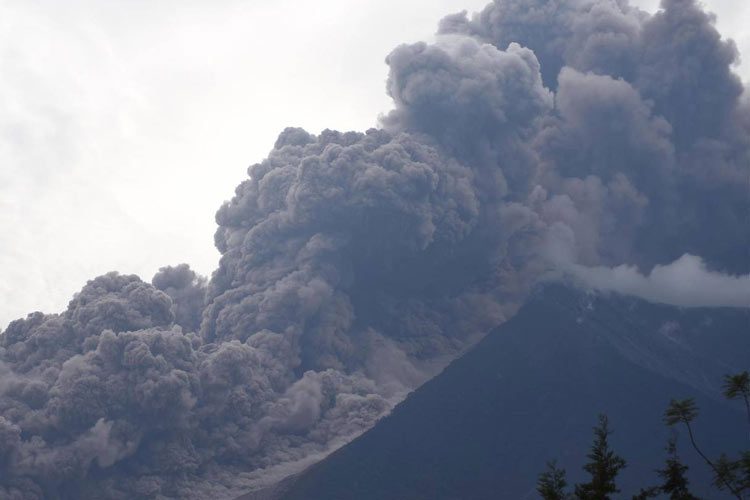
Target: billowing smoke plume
point(187, 291)
point(534, 135)
point(647, 154)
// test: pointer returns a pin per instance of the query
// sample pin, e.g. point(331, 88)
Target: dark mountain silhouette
point(531, 391)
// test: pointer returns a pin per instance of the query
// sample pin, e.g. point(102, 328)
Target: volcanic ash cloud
point(533, 136)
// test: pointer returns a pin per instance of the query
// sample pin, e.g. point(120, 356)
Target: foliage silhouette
point(604, 464)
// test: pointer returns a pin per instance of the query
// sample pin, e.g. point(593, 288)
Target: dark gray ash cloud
point(683, 96)
point(187, 291)
point(535, 136)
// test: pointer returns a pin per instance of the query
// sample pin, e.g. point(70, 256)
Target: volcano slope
point(530, 392)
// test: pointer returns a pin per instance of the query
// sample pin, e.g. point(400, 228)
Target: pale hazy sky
point(124, 124)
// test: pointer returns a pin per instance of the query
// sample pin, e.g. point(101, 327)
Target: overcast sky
point(125, 124)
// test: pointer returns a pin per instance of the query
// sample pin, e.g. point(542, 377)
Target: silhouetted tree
point(604, 465)
point(738, 387)
point(647, 493)
point(552, 483)
point(734, 472)
point(684, 411)
point(675, 481)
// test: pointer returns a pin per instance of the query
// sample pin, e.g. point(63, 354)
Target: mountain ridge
point(567, 355)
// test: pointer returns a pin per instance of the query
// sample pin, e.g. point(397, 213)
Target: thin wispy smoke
point(535, 135)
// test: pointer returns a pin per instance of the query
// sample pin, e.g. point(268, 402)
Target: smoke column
point(531, 136)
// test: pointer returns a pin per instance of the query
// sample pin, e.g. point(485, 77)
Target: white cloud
point(685, 282)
